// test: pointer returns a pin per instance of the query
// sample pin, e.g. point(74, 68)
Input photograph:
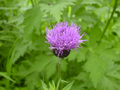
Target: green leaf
point(4, 74)
point(52, 86)
point(33, 80)
point(111, 80)
point(114, 72)
point(40, 63)
point(102, 10)
point(81, 56)
point(32, 20)
point(109, 54)
point(2, 88)
point(106, 51)
point(68, 86)
point(95, 35)
point(96, 66)
point(92, 2)
point(58, 84)
point(77, 9)
point(56, 9)
point(72, 55)
point(19, 19)
point(118, 8)
point(44, 85)
point(4, 50)
point(38, 42)
point(7, 8)
point(116, 27)
point(103, 45)
point(19, 50)
point(82, 76)
point(108, 83)
point(51, 68)
point(88, 16)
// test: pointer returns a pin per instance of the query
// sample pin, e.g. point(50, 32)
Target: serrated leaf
point(92, 2)
point(4, 74)
point(109, 54)
point(100, 11)
point(106, 51)
point(77, 9)
point(81, 56)
point(32, 20)
point(19, 50)
point(32, 80)
point(56, 10)
point(72, 55)
point(96, 66)
point(19, 19)
point(40, 63)
point(116, 27)
point(82, 76)
point(39, 43)
point(52, 66)
point(114, 72)
point(108, 83)
point(68, 86)
point(95, 36)
point(89, 17)
point(116, 75)
point(103, 45)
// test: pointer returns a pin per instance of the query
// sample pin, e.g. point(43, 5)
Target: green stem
point(32, 3)
point(108, 22)
point(59, 73)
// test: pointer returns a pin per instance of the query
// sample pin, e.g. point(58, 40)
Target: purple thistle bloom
point(63, 38)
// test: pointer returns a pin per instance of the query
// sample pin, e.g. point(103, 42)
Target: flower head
point(63, 38)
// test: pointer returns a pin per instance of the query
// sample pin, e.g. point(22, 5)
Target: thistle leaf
point(96, 66)
point(56, 10)
point(32, 20)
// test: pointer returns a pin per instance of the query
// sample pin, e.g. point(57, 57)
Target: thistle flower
point(63, 38)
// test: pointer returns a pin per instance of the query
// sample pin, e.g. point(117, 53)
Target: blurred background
point(25, 58)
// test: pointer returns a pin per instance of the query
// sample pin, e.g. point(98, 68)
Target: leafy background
point(26, 63)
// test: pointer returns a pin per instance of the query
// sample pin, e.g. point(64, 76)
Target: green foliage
point(53, 87)
point(32, 20)
point(56, 9)
point(27, 63)
point(5, 75)
point(68, 86)
point(96, 66)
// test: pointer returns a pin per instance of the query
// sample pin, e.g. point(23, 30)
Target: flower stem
point(59, 73)
point(108, 22)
